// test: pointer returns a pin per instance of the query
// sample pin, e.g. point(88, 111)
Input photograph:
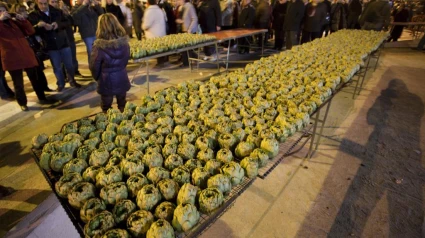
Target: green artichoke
point(243, 149)
point(99, 224)
point(156, 174)
point(169, 149)
point(261, 155)
point(156, 139)
point(99, 157)
point(142, 133)
point(75, 165)
point(135, 182)
point(56, 137)
point(227, 141)
point(108, 146)
point(116, 233)
point(45, 158)
point(119, 151)
point(84, 152)
point(153, 159)
point(186, 151)
point(122, 210)
point(113, 193)
point(210, 199)
point(108, 175)
point(181, 175)
point(271, 146)
point(91, 208)
point(173, 161)
point(168, 188)
point(122, 140)
point(160, 228)
point(39, 141)
point(69, 128)
point(193, 164)
point(111, 127)
point(255, 139)
point(58, 161)
point(165, 211)
point(139, 223)
point(222, 182)
point(250, 166)
point(89, 175)
point(148, 197)
point(66, 182)
point(200, 177)
point(101, 117)
point(186, 216)
point(171, 139)
point(213, 167)
point(205, 155)
point(234, 171)
point(224, 156)
point(187, 194)
point(80, 193)
point(131, 166)
point(85, 130)
point(114, 160)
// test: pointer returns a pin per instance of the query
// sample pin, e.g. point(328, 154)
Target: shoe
point(60, 89)
point(24, 108)
point(214, 58)
point(206, 58)
point(75, 85)
point(47, 101)
point(48, 90)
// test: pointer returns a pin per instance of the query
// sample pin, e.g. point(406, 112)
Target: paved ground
point(366, 179)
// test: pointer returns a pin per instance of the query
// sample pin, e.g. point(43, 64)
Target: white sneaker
point(206, 58)
point(213, 58)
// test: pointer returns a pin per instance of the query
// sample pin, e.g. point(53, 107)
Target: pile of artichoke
point(156, 167)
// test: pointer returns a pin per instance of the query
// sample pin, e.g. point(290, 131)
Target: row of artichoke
point(154, 168)
point(146, 47)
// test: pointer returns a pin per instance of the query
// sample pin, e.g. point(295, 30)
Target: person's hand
point(54, 25)
point(40, 24)
point(19, 17)
point(179, 21)
point(4, 16)
point(218, 28)
point(86, 2)
point(48, 27)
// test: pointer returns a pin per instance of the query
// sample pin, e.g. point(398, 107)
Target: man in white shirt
point(128, 17)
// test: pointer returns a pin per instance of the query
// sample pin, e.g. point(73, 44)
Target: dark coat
point(137, 19)
point(209, 15)
point(294, 16)
point(354, 11)
point(279, 12)
point(338, 17)
point(85, 17)
point(171, 19)
point(116, 10)
point(376, 15)
point(315, 17)
point(108, 62)
point(247, 17)
point(262, 15)
point(15, 51)
point(399, 16)
point(53, 39)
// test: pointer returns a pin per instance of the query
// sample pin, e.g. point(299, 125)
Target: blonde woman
point(108, 61)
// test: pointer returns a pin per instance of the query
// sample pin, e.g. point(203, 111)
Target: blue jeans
point(57, 57)
point(421, 43)
point(89, 44)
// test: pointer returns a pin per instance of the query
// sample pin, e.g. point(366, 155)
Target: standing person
point(292, 22)
point(338, 16)
point(12, 40)
point(126, 11)
point(246, 20)
point(50, 25)
point(315, 16)
point(111, 6)
point(262, 20)
point(354, 12)
point(279, 12)
point(327, 23)
point(137, 19)
point(189, 24)
point(109, 60)
point(170, 17)
point(5, 92)
point(209, 17)
point(85, 17)
point(376, 16)
point(154, 25)
point(401, 14)
point(226, 7)
point(236, 11)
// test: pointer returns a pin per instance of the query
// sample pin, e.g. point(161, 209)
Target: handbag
point(37, 47)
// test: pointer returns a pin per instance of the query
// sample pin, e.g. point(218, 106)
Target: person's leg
point(5, 91)
point(315, 35)
point(66, 57)
point(35, 82)
point(289, 40)
point(421, 43)
point(106, 102)
point(18, 83)
point(296, 37)
point(305, 37)
point(121, 101)
point(55, 60)
point(74, 57)
point(88, 41)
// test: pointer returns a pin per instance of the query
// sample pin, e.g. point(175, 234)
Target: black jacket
point(338, 17)
point(247, 17)
point(85, 17)
point(279, 12)
point(116, 10)
point(53, 39)
point(294, 16)
point(209, 15)
point(137, 19)
point(315, 17)
point(262, 15)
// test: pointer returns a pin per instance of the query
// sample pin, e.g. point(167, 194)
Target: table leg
point(190, 61)
point(323, 124)
point(262, 44)
point(364, 75)
point(377, 59)
point(197, 62)
point(147, 75)
point(310, 150)
point(134, 76)
point(217, 61)
point(227, 57)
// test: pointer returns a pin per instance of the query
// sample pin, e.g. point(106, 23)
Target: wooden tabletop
point(235, 33)
point(408, 23)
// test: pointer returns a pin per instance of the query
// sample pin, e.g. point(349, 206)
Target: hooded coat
point(108, 62)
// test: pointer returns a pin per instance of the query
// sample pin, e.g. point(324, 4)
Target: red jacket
point(15, 51)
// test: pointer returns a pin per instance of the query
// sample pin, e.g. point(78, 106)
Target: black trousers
point(309, 36)
point(291, 39)
point(106, 101)
point(18, 83)
point(279, 39)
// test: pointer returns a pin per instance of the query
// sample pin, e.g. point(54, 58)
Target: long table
point(419, 25)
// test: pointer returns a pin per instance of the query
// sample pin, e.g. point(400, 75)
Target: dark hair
point(152, 2)
point(3, 4)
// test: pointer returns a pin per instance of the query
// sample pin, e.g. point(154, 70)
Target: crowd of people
point(32, 33)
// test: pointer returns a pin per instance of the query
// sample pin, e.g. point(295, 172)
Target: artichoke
point(69, 128)
point(250, 167)
point(80, 193)
point(261, 155)
point(153, 159)
point(115, 160)
point(39, 141)
point(66, 182)
point(91, 208)
point(108, 146)
point(234, 171)
point(139, 223)
point(122, 210)
point(116, 233)
point(173, 161)
point(205, 155)
point(56, 137)
point(108, 176)
point(156, 139)
point(160, 228)
point(99, 157)
point(243, 149)
point(58, 161)
point(130, 166)
point(75, 165)
point(171, 139)
point(203, 143)
point(84, 152)
point(85, 130)
point(271, 146)
point(113, 193)
point(200, 177)
point(135, 182)
point(102, 125)
point(89, 175)
point(73, 136)
point(227, 141)
point(181, 175)
point(165, 211)
point(210, 199)
point(45, 158)
point(142, 133)
point(169, 149)
point(99, 224)
point(168, 188)
point(122, 140)
point(240, 134)
point(69, 146)
point(185, 217)
point(101, 117)
point(213, 167)
point(148, 197)
point(187, 194)
point(255, 139)
point(224, 156)
point(222, 182)
point(108, 135)
point(155, 174)
point(119, 151)
point(193, 164)
point(137, 143)
point(186, 151)
point(134, 154)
